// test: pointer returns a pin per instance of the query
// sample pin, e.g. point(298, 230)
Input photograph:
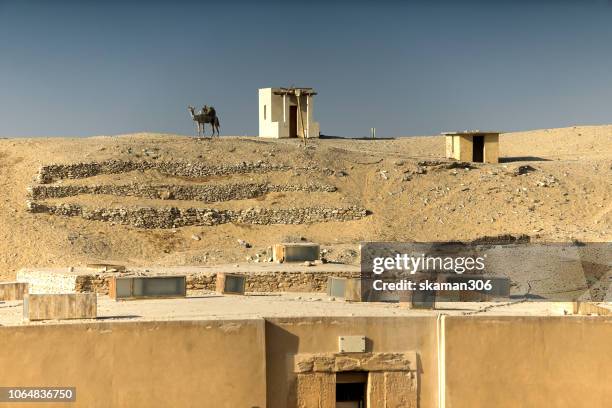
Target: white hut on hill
point(287, 112)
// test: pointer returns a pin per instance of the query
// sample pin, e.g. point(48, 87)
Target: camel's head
point(190, 108)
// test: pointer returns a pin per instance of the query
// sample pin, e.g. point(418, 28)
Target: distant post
point(373, 133)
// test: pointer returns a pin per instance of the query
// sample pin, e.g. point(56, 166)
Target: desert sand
point(411, 192)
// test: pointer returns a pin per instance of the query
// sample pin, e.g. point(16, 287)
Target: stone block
point(230, 283)
point(296, 252)
point(316, 390)
point(60, 306)
point(376, 389)
point(400, 389)
point(13, 290)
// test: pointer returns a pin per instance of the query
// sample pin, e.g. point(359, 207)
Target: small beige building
point(473, 146)
point(287, 112)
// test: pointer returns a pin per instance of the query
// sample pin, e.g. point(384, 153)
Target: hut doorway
point(293, 123)
point(478, 149)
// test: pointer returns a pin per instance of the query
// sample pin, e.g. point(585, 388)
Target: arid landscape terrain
point(552, 185)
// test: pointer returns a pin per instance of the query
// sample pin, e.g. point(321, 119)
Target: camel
point(206, 115)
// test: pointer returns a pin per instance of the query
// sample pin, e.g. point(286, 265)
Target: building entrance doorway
point(478, 149)
point(293, 121)
point(351, 389)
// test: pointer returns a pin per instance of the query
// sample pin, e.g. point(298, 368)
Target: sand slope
point(405, 183)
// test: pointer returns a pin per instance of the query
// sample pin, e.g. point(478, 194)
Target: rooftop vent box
point(135, 287)
point(230, 283)
point(336, 287)
point(296, 252)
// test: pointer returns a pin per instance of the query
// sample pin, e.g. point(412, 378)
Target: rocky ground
point(553, 185)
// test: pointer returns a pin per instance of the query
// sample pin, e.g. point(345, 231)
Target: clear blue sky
point(72, 68)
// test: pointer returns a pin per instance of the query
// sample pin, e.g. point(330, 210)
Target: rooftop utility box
point(230, 283)
point(287, 112)
point(296, 252)
point(136, 287)
point(336, 286)
point(473, 146)
point(60, 306)
point(352, 290)
point(13, 290)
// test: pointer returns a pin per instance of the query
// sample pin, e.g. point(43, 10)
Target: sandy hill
point(172, 200)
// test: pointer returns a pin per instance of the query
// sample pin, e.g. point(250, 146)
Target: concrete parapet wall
point(13, 290)
point(60, 306)
point(509, 361)
point(204, 193)
point(141, 364)
point(49, 173)
point(274, 282)
point(173, 217)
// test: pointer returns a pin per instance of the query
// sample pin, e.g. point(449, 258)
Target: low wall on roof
point(54, 281)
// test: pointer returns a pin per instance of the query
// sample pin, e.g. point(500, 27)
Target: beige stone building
point(287, 112)
point(227, 351)
point(473, 146)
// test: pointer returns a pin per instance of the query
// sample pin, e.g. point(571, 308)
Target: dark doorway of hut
point(293, 121)
point(478, 149)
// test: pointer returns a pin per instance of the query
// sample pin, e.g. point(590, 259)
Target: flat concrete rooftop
point(211, 306)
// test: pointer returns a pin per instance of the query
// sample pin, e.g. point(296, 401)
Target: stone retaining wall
point(204, 193)
point(49, 173)
point(173, 217)
point(305, 281)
